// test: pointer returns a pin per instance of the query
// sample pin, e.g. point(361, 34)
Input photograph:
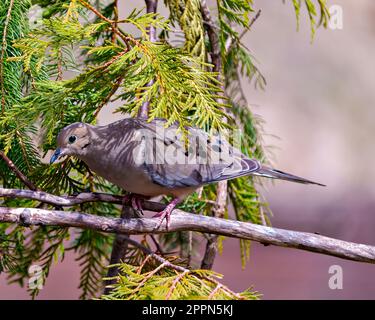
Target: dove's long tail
point(277, 174)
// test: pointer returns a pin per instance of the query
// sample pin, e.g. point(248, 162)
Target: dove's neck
point(93, 146)
point(106, 144)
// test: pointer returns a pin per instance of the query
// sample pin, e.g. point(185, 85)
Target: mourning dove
point(148, 159)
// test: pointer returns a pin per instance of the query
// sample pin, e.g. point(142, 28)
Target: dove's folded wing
point(205, 159)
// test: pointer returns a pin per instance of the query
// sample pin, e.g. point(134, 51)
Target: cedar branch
point(17, 172)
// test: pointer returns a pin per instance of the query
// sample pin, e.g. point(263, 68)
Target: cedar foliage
point(72, 61)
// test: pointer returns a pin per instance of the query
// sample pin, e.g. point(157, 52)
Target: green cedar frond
point(42, 247)
point(44, 43)
point(93, 248)
point(8, 261)
point(12, 27)
point(232, 14)
point(311, 6)
point(150, 281)
point(52, 7)
point(143, 21)
point(182, 91)
point(188, 15)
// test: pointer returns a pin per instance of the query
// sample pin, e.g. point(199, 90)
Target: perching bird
point(147, 159)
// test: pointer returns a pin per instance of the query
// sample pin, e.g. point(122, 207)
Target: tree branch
point(115, 11)
point(180, 221)
point(119, 249)
point(217, 211)
point(213, 37)
point(229, 44)
point(17, 172)
point(114, 24)
point(109, 96)
point(222, 187)
point(151, 7)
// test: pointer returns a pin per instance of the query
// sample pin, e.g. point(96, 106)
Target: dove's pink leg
point(166, 213)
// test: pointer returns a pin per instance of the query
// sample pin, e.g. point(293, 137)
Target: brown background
point(319, 101)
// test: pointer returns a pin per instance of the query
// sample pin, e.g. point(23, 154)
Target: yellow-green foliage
point(160, 282)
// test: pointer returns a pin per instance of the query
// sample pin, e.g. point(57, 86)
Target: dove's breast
point(124, 174)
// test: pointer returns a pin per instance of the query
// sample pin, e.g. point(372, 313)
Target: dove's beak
point(57, 154)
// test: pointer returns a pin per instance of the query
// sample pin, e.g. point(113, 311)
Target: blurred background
point(319, 115)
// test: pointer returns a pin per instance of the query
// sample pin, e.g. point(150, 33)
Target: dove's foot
point(166, 213)
point(135, 201)
point(137, 204)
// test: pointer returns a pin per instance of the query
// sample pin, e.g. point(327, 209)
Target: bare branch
point(182, 221)
point(17, 172)
point(218, 211)
point(229, 44)
point(212, 36)
point(109, 96)
point(151, 7)
point(115, 10)
point(66, 201)
point(96, 12)
point(255, 18)
point(59, 65)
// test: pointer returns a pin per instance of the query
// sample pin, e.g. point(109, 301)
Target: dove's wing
point(208, 159)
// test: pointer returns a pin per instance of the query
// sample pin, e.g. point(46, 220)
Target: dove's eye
point(72, 139)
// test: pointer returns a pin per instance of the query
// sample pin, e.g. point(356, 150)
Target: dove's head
point(73, 140)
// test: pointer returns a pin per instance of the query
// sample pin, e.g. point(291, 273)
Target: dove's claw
point(135, 201)
point(161, 216)
point(166, 213)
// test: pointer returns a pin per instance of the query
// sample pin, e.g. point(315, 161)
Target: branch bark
point(119, 249)
point(212, 240)
point(115, 87)
point(115, 11)
point(17, 172)
point(151, 7)
point(180, 221)
point(213, 37)
point(229, 43)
